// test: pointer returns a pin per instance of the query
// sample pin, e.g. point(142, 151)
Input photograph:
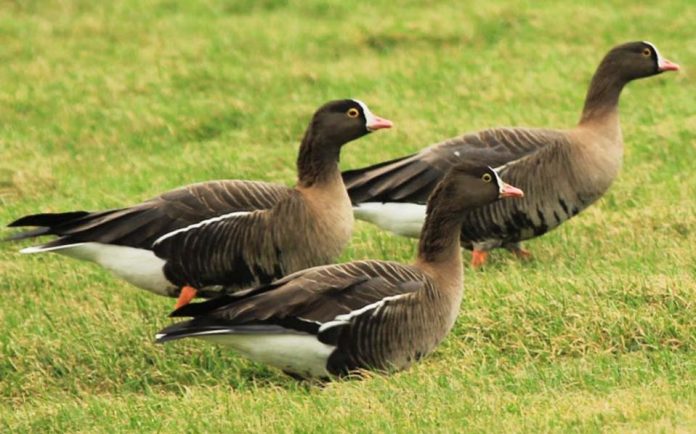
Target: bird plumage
point(232, 233)
point(368, 314)
point(562, 170)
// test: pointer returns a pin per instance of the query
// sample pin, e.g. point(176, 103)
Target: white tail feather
point(404, 219)
point(139, 267)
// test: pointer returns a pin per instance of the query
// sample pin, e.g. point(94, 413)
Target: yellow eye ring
point(487, 177)
point(353, 112)
point(647, 52)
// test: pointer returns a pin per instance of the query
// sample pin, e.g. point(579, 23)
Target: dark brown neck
point(602, 101)
point(439, 240)
point(317, 161)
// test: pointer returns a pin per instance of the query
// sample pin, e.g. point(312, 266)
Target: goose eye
point(486, 177)
point(352, 112)
point(647, 52)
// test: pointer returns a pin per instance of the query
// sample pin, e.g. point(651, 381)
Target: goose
point(335, 320)
point(562, 171)
point(233, 233)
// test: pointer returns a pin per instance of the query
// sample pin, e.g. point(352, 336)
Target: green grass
point(107, 103)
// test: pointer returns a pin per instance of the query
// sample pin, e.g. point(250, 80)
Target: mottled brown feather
point(562, 171)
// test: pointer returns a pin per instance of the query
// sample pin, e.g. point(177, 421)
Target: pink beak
point(666, 65)
point(510, 191)
point(377, 123)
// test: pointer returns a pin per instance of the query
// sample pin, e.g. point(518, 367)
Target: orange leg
point(523, 254)
point(478, 258)
point(185, 296)
point(518, 251)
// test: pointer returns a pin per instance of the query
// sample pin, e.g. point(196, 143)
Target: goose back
point(139, 226)
point(245, 249)
point(561, 171)
point(537, 160)
point(411, 179)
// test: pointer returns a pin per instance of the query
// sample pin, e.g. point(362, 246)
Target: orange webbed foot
point(523, 254)
point(478, 258)
point(517, 250)
point(185, 296)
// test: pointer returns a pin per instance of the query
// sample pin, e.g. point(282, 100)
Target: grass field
point(108, 103)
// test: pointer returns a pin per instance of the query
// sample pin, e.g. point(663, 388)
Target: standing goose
point(562, 171)
point(231, 233)
point(336, 319)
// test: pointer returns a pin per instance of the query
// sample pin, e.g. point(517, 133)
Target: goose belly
point(404, 219)
point(298, 353)
point(139, 267)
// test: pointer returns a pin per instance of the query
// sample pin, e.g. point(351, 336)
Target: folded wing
point(237, 249)
point(412, 178)
point(140, 225)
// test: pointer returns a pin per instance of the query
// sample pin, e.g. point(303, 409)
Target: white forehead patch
point(498, 179)
point(369, 117)
point(657, 53)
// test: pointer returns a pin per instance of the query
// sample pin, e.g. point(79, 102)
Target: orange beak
point(666, 65)
point(510, 191)
point(377, 123)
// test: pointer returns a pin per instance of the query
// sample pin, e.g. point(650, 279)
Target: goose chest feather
point(340, 319)
point(562, 171)
point(224, 233)
point(330, 213)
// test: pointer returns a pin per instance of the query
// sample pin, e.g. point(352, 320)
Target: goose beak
point(508, 190)
point(376, 123)
point(665, 65)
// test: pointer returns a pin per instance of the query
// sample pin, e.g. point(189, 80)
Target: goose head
point(635, 60)
point(342, 121)
point(470, 185)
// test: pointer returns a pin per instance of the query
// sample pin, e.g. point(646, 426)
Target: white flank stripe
point(204, 333)
point(346, 317)
point(199, 224)
point(42, 249)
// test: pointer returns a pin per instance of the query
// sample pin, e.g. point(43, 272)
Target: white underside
point(300, 353)
point(139, 267)
point(404, 219)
